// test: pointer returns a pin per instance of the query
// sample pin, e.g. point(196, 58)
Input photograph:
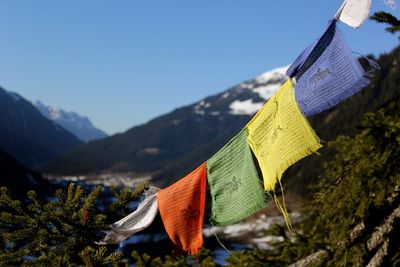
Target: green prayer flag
point(236, 190)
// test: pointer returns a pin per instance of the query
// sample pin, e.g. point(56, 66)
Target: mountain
point(78, 125)
point(27, 135)
point(175, 142)
point(18, 178)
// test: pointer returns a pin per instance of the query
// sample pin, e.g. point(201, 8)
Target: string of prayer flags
point(137, 221)
point(182, 207)
point(236, 190)
point(354, 12)
point(280, 135)
point(329, 75)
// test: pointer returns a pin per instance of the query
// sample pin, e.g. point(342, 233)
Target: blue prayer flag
point(326, 73)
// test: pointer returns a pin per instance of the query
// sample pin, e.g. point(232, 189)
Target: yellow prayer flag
point(280, 135)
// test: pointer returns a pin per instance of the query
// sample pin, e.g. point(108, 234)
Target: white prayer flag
point(354, 12)
point(137, 221)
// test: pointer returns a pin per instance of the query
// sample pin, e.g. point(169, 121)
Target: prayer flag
point(280, 135)
point(236, 190)
point(354, 12)
point(181, 207)
point(138, 220)
point(328, 75)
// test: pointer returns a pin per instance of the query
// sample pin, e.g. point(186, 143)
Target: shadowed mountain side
point(27, 135)
point(18, 178)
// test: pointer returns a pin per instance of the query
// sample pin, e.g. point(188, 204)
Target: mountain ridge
point(78, 125)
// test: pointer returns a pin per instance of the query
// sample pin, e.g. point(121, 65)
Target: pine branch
point(387, 18)
point(62, 231)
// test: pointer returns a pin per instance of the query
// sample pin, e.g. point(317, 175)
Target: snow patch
point(252, 232)
point(274, 74)
point(246, 107)
point(198, 109)
point(200, 112)
point(225, 95)
point(55, 113)
point(199, 105)
point(267, 91)
point(247, 86)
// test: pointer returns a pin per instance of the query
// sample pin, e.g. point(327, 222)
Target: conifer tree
point(62, 231)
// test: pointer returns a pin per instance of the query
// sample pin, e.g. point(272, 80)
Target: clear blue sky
point(122, 63)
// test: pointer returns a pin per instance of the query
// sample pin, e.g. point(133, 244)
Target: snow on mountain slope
point(265, 85)
point(245, 107)
point(78, 125)
point(272, 75)
point(246, 98)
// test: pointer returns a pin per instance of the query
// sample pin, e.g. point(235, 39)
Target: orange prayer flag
point(181, 207)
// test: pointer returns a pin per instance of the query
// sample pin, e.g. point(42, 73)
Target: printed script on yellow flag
point(280, 135)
